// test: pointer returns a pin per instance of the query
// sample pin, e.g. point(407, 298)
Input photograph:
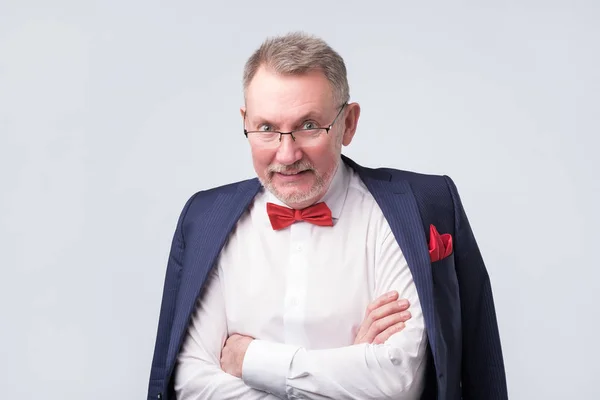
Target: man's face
point(297, 174)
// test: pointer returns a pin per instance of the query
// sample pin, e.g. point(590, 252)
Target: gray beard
point(299, 197)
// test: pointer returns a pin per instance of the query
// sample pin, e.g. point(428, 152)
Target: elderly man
point(268, 279)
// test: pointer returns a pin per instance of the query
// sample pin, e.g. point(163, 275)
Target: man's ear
point(350, 122)
point(243, 114)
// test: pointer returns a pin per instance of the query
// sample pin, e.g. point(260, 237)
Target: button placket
point(295, 290)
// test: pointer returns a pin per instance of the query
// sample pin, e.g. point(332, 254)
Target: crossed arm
point(261, 369)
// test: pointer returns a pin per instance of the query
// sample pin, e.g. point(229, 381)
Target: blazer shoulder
point(434, 193)
point(436, 185)
point(199, 203)
point(205, 196)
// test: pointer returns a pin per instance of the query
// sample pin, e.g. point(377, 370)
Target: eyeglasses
point(304, 136)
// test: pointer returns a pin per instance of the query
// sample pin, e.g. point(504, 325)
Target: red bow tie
point(282, 217)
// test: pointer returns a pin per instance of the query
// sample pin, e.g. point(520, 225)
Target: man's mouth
point(290, 173)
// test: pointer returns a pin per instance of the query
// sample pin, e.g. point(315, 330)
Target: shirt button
point(294, 302)
point(298, 247)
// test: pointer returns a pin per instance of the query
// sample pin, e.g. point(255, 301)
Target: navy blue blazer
point(464, 345)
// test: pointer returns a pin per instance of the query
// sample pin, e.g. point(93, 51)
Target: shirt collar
point(335, 195)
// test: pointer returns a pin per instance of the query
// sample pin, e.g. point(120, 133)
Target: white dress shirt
point(302, 292)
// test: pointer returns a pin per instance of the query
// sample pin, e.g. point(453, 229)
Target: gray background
point(112, 113)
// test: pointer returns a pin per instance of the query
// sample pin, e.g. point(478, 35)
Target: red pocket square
point(440, 246)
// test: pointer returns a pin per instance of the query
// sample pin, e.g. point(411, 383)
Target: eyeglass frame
point(291, 133)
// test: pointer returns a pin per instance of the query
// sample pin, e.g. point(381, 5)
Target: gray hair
point(298, 53)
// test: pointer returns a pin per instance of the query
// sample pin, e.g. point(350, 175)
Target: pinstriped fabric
point(436, 207)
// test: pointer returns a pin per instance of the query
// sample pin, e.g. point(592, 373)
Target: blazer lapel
point(217, 223)
point(398, 204)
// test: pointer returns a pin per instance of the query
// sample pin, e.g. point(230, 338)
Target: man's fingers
point(382, 307)
point(375, 304)
point(386, 334)
point(381, 300)
point(382, 324)
point(387, 309)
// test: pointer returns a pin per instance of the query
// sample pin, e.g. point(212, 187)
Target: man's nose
point(288, 151)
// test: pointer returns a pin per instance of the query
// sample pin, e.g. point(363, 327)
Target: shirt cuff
point(266, 366)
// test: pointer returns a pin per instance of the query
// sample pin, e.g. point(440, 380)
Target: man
point(268, 279)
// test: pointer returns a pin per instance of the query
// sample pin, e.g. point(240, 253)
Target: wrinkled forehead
point(271, 95)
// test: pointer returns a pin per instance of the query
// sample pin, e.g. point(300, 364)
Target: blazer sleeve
point(483, 375)
point(157, 384)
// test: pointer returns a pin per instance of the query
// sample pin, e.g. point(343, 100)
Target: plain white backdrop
point(112, 113)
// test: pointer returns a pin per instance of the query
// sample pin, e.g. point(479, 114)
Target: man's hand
point(232, 356)
point(384, 317)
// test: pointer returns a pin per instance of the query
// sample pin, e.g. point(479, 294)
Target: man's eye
point(265, 128)
point(309, 125)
